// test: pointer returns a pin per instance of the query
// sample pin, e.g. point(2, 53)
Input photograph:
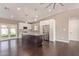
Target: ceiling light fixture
point(18, 9)
point(50, 10)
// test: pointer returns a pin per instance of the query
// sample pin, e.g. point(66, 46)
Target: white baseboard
point(73, 40)
point(63, 41)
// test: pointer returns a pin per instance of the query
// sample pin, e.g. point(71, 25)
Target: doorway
point(46, 29)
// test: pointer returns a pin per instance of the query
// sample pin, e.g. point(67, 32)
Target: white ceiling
point(28, 13)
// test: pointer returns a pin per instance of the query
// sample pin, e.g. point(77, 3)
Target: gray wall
point(61, 28)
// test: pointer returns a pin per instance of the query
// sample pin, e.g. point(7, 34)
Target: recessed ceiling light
point(36, 16)
point(35, 19)
point(50, 10)
point(18, 9)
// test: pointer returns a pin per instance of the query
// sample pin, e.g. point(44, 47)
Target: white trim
point(73, 40)
point(52, 40)
point(63, 41)
point(54, 30)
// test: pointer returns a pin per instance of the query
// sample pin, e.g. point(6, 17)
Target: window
point(13, 32)
point(4, 31)
point(8, 30)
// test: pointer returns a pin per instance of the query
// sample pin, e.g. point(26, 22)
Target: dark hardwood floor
point(14, 48)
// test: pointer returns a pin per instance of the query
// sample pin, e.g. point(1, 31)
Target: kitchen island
point(31, 40)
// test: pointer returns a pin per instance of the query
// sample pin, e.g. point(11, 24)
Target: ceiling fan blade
point(54, 5)
point(48, 5)
point(6, 8)
point(61, 4)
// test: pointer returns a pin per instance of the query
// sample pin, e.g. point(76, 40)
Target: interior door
point(73, 29)
point(46, 30)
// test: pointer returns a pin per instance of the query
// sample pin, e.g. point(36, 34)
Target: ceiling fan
point(6, 8)
point(53, 4)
